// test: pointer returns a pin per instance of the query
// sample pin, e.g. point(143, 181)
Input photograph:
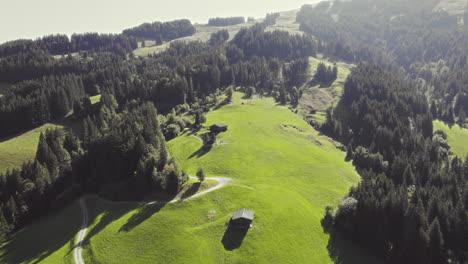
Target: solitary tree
point(461, 117)
point(200, 118)
point(200, 175)
point(249, 91)
point(229, 94)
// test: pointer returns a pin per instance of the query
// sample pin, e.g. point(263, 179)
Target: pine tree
point(5, 228)
point(43, 150)
point(200, 175)
point(462, 118)
point(434, 110)
point(41, 177)
point(349, 153)
point(436, 243)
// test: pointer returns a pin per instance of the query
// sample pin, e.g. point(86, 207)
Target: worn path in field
point(222, 181)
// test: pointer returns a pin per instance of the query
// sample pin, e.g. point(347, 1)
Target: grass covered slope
point(21, 148)
point(282, 169)
point(48, 240)
point(457, 137)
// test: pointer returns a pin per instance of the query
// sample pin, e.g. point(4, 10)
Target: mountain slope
point(282, 169)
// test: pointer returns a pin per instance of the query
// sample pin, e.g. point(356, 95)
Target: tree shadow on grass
point(223, 103)
point(233, 237)
point(42, 238)
point(201, 151)
point(108, 217)
point(142, 215)
point(191, 191)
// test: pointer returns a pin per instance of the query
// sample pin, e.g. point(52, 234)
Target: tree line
point(225, 21)
point(162, 31)
point(411, 205)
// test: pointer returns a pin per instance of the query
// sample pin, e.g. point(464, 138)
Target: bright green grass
point(95, 99)
point(280, 172)
point(457, 138)
point(21, 148)
point(49, 240)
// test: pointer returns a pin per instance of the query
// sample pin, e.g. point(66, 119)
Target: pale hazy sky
point(35, 18)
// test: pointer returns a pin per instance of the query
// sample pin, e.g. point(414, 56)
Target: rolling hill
point(282, 169)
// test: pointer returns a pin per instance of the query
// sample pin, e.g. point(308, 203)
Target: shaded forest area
point(411, 206)
point(162, 31)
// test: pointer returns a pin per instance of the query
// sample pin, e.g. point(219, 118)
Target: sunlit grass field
point(282, 169)
point(20, 148)
point(457, 137)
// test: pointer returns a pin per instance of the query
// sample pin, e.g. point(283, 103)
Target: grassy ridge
point(21, 148)
point(282, 169)
point(457, 137)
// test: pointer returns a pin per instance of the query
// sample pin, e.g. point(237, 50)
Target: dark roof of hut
point(220, 125)
point(243, 213)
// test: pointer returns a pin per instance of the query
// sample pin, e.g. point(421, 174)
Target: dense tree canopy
point(225, 21)
point(162, 31)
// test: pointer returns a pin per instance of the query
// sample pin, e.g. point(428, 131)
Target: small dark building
point(242, 219)
point(218, 128)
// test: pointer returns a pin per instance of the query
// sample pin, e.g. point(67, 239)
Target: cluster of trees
point(126, 153)
point(162, 31)
point(219, 37)
point(411, 187)
point(33, 103)
point(121, 156)
point(40, 185)
point(255, 41)
point(27, 59)
point(225, 21)
point(62, 44)
point(324, 74)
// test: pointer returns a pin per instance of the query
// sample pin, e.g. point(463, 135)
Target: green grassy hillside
point(48, 240)
point(282, 169)
point(16, 150)
point(457, 138)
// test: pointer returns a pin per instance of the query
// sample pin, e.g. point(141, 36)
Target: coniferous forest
point(411, 68)
point(411, 206)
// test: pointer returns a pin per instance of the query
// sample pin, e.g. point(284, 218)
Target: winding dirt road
point(222, 181)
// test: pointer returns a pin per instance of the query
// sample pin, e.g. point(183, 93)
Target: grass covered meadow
point(20, 148)
point(457, 137)
point(281, 168)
